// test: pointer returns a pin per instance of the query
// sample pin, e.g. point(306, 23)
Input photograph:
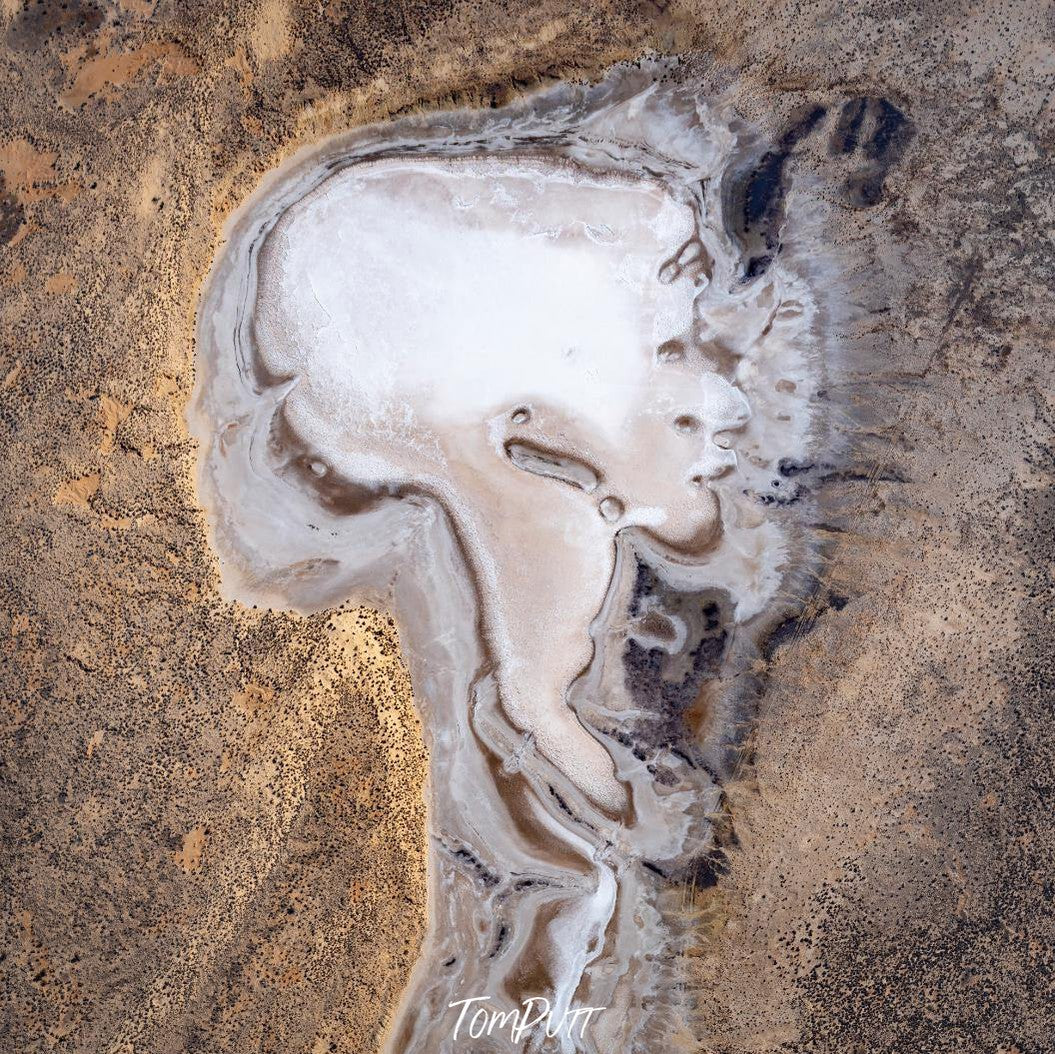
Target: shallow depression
point(465, 367)
point(417, 301)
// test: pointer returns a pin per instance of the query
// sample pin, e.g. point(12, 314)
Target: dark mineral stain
point(466, 856)
point(797, 626)
point(754, 199)
point(864, 189)
point(561, 803)
point(647, 670)
point(500, 939)
point(891, 135)
point(785, 632)
point(877, 475)
point(293, 459)
point(848, 128)
point(664, 776)
point(869, 131)
point(789, 497)
point(802, 127)
point(757, 265)
point(666, 684)
point(705, 870)
point(790, 468)
point(762, 192)
point(877, 131)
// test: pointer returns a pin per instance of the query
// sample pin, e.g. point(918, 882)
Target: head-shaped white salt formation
point(555, 340)
point(509, 343)
point(516, 337)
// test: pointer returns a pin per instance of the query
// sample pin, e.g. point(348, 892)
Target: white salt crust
point(420, 304)
point(520, 332)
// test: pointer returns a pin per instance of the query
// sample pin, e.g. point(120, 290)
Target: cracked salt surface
point(496, 359)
